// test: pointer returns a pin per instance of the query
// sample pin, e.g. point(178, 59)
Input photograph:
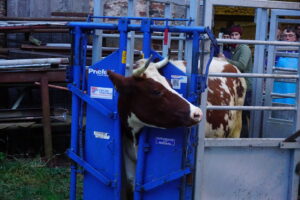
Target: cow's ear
point(119, 81)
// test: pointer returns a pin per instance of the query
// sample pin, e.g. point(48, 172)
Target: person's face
point(235, 35)
point(289, 36)
point(226, 36)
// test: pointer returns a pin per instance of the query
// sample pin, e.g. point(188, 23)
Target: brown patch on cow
point(229, 68)
point(217, 119)
point(240, 90)
point(219, 97)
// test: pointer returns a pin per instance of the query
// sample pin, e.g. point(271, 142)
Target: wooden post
point(46, 116)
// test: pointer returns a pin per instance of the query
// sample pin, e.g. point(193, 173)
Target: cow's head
point(147, 99)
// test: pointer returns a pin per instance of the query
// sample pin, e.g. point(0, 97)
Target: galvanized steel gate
point(251, 168)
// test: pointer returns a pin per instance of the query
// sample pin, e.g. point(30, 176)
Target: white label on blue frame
point(101, 135)
point(165, 141)
point(101, 92)
point(176, 81)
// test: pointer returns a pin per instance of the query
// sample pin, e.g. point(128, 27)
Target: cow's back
point(225, 91)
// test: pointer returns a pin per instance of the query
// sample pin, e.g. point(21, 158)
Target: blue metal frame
point(96, 107)
point(75, 110)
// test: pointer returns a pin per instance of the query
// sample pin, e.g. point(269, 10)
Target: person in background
point(290, 34)
point(242, 59)
point(226, 47)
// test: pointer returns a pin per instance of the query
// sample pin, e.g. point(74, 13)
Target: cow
point(147, 99)
point(222, 91)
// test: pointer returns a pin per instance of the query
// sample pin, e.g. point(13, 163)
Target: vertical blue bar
point(75, 110)
point(146, 29)
point(146, 25)
point(192, 132)
point(192, 86)
point(123, 24)
point(140, 165)
point(123, 29)
point(83, 49)
point(195, 52)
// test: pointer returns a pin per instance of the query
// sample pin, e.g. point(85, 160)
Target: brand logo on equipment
point(98, 72)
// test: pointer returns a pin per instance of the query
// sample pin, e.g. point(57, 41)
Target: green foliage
point(31, 179)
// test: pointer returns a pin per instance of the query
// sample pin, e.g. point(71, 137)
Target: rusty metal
point(32, 75)
point(54, 86)
point(34, 61)
point(70, 14)
point(26, 26)
point(44, 76)
point(42, 18)
point(32, 114)
point(46, 116)
point(37, 30)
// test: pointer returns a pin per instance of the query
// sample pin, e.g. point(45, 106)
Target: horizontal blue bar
point(165, 179)
point(98, 106)
point(90, 169)
point(137, 27)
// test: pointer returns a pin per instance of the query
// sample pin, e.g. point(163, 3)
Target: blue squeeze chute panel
point(165, 149)
point(100, 130)
point(165, 157)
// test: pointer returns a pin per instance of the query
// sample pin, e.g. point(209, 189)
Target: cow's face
point(147, 99)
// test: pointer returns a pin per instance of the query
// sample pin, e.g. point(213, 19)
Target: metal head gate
point(165, 161)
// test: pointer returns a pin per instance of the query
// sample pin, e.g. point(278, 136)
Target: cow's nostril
point(197, 116)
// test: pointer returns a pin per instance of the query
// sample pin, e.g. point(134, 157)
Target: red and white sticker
point(101, 92)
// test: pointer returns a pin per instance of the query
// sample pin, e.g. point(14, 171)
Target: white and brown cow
point(222, 91)
point(147, 99)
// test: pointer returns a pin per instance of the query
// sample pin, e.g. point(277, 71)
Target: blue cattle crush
point(166, 158)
